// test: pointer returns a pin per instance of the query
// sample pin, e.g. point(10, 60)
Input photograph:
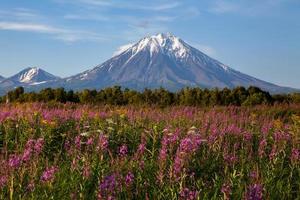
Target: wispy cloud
point(67, 35)
point(40, 28)
point(86, 17)
point(137, 5)
point(156, 7)
point(18, 13)
point(221, 6)
point(122, 49)
point(246, 7)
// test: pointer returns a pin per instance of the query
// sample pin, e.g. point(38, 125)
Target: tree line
point(239, 96)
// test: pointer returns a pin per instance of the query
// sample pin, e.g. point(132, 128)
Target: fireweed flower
point(261, 148)
point(90, 141)
point(49, 174)
point(129, 179)
point(230, 158)
point(78, 141)
point(38, 146)
point(3, 181)
point(273, 153)
point(187, 146)
point(67, 145)
point(254, 192)
point(14, 161)
point(102, 142)
point(107, 187)
point(295, 155)
point(253, 175)
point(123, 150)
point(27, 154)
point(188, 194)
point(30, 143)
point(141, 148)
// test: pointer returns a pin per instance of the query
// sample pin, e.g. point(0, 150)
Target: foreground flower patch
point(97, 152)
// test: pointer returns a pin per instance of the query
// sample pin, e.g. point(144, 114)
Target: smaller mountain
point(1, 78)
point(32, 76)
point(28, 77)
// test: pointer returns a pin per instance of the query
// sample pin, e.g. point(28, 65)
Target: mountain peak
point(28, 74)
point(33, 75)
point(164, 43)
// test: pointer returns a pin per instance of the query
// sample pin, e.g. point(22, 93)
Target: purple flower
point(38, 146)
point(30, 144)
point(188, 194)
point(26, 155)
point(67, 145)
point(48, 174)
point(102, 142)
point(253, 175)
point(123, 150)
point(90, 141)
point(78, 141)
point(254, 192)
point(273, 153)
point(3, 181)
point(295, 156)
point(107, 187)
point(14, 161)
point(187, 147)
point(141, 148)
point(261, 148)
point(129, 179)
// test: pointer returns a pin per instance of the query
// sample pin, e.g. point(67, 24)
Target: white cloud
point(122, 49)
point(156, 6)
point(86, 17)
point(66, 35)
point(222, 6)
point(248, 8)
point(40, 28)
point(18, 13)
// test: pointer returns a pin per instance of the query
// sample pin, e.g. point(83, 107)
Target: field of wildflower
point(69, 151)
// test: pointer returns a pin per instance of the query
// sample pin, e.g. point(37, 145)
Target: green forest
point(116, 95)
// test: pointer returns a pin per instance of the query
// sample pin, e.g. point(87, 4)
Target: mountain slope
point(165, 61)
point(1, 78)
point(28, 77)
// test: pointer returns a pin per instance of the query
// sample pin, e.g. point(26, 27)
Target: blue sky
point(65, 37)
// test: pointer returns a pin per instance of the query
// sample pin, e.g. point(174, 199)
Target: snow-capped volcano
point(164, 60)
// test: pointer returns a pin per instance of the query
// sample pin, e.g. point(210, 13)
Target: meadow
point(74, 151)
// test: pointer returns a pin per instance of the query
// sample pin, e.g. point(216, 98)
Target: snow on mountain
point(32, 75)
point(164, 60)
